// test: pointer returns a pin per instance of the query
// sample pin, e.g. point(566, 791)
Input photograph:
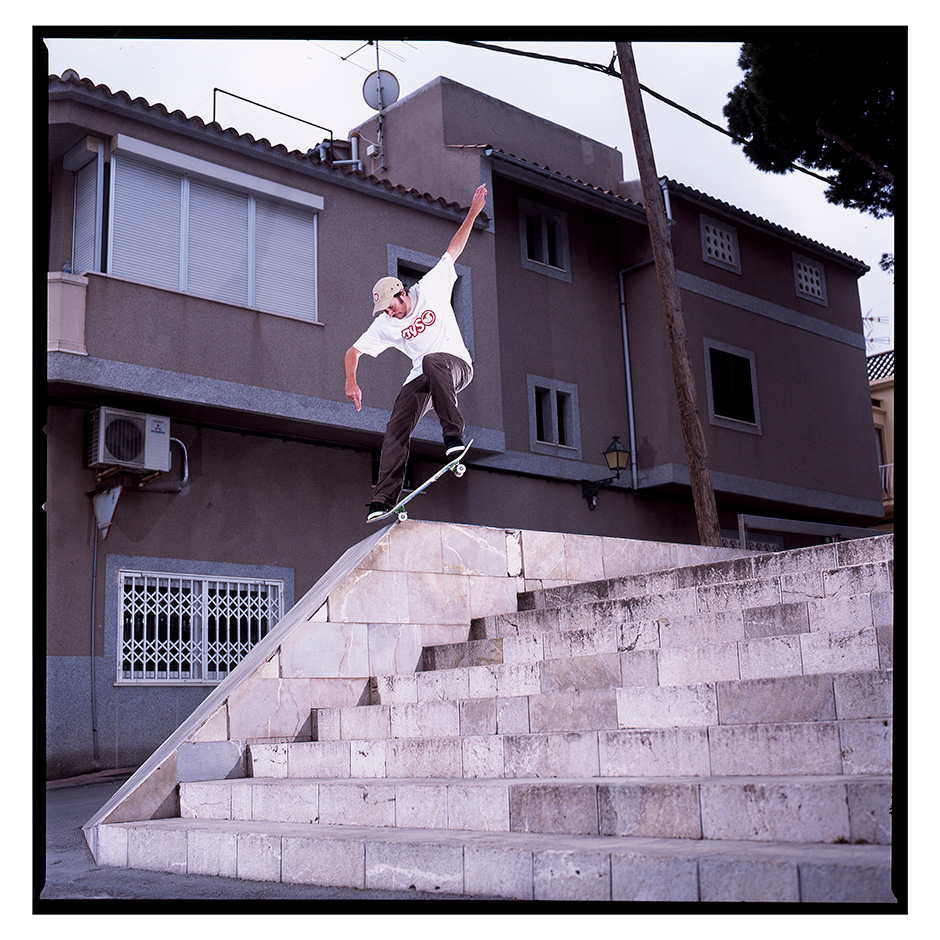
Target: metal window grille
point(191, 628)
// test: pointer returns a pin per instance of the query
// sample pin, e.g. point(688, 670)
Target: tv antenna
point(870, 322)
point(380, 90)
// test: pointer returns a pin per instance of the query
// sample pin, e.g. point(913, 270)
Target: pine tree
point(831, 105)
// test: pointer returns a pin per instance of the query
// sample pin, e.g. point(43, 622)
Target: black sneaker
point(376, 510)
point(452, 446)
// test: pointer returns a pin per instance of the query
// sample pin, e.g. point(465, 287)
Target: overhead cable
point(610, 70)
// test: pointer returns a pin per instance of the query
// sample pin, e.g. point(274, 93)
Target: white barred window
point(183, 628)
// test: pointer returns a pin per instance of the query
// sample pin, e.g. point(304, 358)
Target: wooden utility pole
point(703, 495)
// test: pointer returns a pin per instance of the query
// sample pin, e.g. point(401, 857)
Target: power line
point(613, 73)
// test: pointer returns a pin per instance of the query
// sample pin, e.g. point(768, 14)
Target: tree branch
point(848, 148)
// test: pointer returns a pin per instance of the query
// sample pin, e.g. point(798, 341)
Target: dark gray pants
point(444, 375)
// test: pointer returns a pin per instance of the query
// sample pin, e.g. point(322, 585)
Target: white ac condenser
point(129, 439)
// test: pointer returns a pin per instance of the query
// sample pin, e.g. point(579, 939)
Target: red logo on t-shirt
point(425, 320)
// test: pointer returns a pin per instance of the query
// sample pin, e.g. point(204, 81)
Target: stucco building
point(881, 380)
point(204, 285)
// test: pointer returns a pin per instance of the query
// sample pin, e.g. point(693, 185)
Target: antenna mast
point(380, 89)
point(378, 82)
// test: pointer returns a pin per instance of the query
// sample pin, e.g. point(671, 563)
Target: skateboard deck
point(454, 464)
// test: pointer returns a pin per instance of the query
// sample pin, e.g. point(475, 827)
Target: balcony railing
point(887, 480)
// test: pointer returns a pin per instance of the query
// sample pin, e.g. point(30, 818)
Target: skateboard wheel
point(460, 470)
point(402, 516)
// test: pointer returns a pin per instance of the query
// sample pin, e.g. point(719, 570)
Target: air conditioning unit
point(129, 439)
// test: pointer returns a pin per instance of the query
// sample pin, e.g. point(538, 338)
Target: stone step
point(839, 636)
point(817, 567)
point(764, 809)
point(835, 747)
point(512, 702)
point(529, 866)
point(688, 601)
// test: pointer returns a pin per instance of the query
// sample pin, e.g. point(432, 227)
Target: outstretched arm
point(459, 241)
point(350, 363)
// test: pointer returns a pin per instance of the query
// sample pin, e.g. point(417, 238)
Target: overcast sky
point(321, 81)
point(311, 80)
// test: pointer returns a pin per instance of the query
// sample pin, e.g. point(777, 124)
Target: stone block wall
point(406, 587)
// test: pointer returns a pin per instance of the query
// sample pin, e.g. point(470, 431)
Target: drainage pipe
point(141, 486)
point(356, 162)
point(185, 477)
point(626, 366)
point(664, 186)
point(94, 580)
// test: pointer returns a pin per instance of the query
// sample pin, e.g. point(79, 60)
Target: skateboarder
point(421, 323)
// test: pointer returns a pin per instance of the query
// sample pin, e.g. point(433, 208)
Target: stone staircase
point(704, 732)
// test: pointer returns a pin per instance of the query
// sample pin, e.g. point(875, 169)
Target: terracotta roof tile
point(728, 207)
point(122, 98)
point(881, 365)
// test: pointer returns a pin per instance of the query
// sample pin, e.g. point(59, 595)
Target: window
point(184, 224)
point(554, 424)
point(86, 161)
point(410, 266)
point(732, 387)
point(409, 276)
point(543, 238)
point(172, 230)
point(810, 280)
point(84, 229)
point(720, 244)
point(190, 628)
point(552, 416)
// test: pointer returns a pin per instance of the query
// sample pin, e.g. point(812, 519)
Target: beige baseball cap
point(384, 290)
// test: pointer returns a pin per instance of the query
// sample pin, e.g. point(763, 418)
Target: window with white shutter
point(86, 246)
point(219, 242)
point(146, 212)
point(236, 238)
point(285, 259)
point(86, 161)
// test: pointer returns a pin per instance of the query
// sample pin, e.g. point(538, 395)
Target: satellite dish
point(380, 90)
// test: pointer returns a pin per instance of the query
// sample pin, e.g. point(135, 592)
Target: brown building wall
point(766, 264)
point(286, 490)
point(569, 332)
point(446, 112)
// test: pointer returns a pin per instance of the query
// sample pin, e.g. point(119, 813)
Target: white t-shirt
point(430, 327)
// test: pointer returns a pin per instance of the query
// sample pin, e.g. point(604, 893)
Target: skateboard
point(454, 465)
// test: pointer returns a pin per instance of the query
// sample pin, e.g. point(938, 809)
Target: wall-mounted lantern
point(618, 459)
